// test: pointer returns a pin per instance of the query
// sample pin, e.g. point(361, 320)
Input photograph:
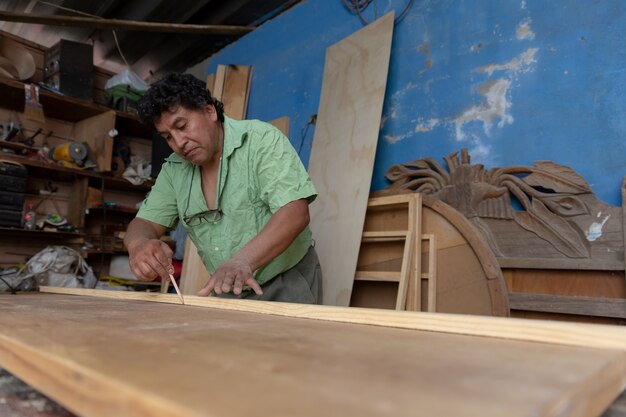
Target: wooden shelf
point(117, 209)
point(387, 276)
point(67, 108)
point(43, 169)
point(39, 233)
point(384, 236)
point(104, 252)
point(118, 183)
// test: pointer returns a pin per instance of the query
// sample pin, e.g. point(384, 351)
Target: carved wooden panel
point(540, 216)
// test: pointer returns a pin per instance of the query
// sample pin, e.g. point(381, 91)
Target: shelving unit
point(69, 119)
point(389, 268)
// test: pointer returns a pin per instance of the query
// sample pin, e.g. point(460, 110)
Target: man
point(240, 191)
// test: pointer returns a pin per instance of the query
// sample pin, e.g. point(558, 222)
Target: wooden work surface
point(108, 357)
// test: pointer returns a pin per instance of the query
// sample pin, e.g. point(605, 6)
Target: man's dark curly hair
point(172, 91)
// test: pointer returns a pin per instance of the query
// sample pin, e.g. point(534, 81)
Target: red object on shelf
point(178, 268)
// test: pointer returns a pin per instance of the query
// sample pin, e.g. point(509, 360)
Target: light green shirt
point(260, 173)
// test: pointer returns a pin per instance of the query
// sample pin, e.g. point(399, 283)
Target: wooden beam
point(119, 24)
point(576, 334)
point(584, 306)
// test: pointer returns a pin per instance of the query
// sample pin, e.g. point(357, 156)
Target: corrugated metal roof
point(147, 53)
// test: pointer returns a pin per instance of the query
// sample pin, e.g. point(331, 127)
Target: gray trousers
point(300, 284)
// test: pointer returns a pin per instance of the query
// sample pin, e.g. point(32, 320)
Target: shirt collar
point(233, 139)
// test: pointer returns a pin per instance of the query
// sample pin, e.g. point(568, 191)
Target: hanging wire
point(358, 7)
point(67, 9)
point(303, 133)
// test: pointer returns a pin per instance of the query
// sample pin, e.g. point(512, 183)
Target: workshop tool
point(10, 132)
point(177, 290)
point(30, 141)
point(69, 153)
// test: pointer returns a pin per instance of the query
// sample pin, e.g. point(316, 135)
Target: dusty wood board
point(596, 336)
point(94, 132)
point(584, 306)
point(109, 361)
point(194, 275)
point(353, 89)
point(282, 124)
point(236, 89)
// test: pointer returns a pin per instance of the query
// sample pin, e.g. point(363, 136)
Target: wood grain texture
point(469, 280)
point(282, 124)
point(583, 283)
point(109, 361)
point(194, 275)
point(388, 252)
point(583, 306)
point(236, 88)
point(94, 132)
point(353, 89)
point(574, 334)
point(561, 223)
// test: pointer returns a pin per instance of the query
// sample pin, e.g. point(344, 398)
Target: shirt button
point(216, 248)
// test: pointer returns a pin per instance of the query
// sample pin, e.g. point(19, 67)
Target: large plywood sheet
point(107, 357)
point(342, 158)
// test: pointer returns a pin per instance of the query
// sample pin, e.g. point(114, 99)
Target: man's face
point(195, 135)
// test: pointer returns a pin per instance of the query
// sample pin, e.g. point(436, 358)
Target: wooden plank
point(353, 89)
point(386, 234)
point(431, 275)
point(624, 217)
point(561, 263)
point(609, 284)
point(573, 334)
point(282, 124)
point(406, 269)
point(94, 132)
point(218, 86)
point(463, 272)
point(298, 364)
point(388, 276)
point(210, 82)
point(236, 88)
point(194, 275)
point(414, 298)
point(584, 306)
point(124, 24)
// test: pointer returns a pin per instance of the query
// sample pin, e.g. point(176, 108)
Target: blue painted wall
point(513, 81)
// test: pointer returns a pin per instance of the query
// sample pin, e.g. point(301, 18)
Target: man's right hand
point(150, 258)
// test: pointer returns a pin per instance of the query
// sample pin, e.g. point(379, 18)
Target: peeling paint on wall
point(426, 126)
point(520, 64)
point(595, 229)
point(396, 138)
point(493, 107)
point(476, 48)
point(524, 32)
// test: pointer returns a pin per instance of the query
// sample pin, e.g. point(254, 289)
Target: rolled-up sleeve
point(160, 204)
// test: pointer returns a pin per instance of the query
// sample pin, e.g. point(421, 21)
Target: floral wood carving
point(554, 206)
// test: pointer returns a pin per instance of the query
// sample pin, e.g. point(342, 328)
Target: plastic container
point(30, 218)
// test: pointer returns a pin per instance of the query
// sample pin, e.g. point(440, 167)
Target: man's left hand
point(232, 274)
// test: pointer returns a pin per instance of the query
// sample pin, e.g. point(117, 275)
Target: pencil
point(177, 290)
